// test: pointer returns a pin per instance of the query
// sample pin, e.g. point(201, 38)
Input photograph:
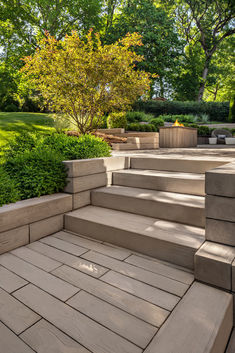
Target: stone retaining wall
point(29, 220)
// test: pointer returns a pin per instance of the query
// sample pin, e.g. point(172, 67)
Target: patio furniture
point(221, 134)
point(230, 140)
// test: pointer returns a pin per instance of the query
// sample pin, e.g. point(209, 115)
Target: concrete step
point(135, 146)
point(193, 165)
point(182, 208)
point(201, 323)
point(173, 242)
point(184, 183)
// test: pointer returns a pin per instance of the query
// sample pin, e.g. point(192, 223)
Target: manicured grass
point(12, 124)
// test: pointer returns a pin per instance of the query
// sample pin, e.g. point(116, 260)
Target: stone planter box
point(178, 136)
point(213, 140)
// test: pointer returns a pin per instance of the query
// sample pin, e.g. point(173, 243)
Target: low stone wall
point(88, 174)
point(26, 221)
point(215, 260)
point(29, 220)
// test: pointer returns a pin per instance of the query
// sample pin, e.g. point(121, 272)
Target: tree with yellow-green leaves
point(83, 79)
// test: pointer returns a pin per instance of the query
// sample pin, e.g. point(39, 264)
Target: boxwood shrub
point(9, 191)
point(141, 127)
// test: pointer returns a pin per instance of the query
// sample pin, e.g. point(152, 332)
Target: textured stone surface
point(87, 182)
point(45, 227)
point(213, 264)
point(221, 181)
point(220, 231)
point(81, 199)
point(78, 168)
point(32, 210)
point(14, 238)
point(9, 281)
point(11, 343)
point(201, 323)
point(222, 208)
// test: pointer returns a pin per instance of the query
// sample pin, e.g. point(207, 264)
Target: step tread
point(195, 326)
point(162, 173)
point(154, 195)
point(184, 235)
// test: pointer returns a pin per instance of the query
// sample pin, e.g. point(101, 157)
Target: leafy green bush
point(203, 131)
point(8, 188)
point(188, 118)
point(21, 143)
point(134, 117)
point(157, 122)
point(37, 172)
point(11, 108)
point(141, 127)
point(117, 120)
point(215, 110)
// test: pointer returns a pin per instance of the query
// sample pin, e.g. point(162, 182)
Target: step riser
point(163, 250)
point(175, 165)
point(167, 211)
point(182, 186)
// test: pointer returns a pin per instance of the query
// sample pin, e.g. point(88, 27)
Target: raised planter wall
point(29, 220)
point(88, 174)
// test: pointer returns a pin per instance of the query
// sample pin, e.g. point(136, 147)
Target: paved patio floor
point(70, 294)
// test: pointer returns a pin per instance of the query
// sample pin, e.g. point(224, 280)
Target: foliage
point(157, 122)
point(231, 117)
point(84, 79)
point(203, 131)
point(215, 110)
point(117, 120)
point(133, 116)
point(141, 127)
point(8, 188)
point(161, 44)
point(37, 172)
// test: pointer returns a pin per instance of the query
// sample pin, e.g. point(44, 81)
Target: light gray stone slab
point(78, 168)
point(140, 274)
point(10, 343)
point(87, 182)
point(13, 238)
point(114, 252)
point(221, 180)
point(81, 199)
point(78, 263)
point(220, 231)
point(178, 182)
point(14, 314)
point(201, 323)
point(125, 301)
point(185, 165)
point(231, 345)
point(46, 227)
point(144, 291)
point(46, 338)
point(90, 334)
point(64, 245)
point(9, 281)
point(222, 208)
point(39, 260)
point(161, 268)
point(213, 264)
point(150, 236)
point(181, 208)
point(32, 210)
point(40, 278)
point(124, 324)
point(233, 277)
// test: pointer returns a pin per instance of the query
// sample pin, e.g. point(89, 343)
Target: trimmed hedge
point(33, 164)
point(141, 127)
point(117, 120)
point(217, 111)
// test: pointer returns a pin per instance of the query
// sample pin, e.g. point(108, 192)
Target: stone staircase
point(156, 207)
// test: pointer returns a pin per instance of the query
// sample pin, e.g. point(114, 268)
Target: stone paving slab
point(71, 294)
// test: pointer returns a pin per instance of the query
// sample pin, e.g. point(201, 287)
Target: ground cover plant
point(32, 163)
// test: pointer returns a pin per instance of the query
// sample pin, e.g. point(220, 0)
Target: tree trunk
point(204, 78)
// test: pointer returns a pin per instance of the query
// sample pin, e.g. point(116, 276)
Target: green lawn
point(12, 124)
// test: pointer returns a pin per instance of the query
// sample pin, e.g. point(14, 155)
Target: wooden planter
point(178, 136)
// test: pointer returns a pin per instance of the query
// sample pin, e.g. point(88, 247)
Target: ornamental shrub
point(141, 127)
point(157, 122)
point(117, 120)
point(203, 131)
point(8, 188)
point(37, 172)
point(218, 111)
point(134, 117)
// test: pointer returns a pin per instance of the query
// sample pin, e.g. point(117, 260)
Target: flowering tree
point(84, 79)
